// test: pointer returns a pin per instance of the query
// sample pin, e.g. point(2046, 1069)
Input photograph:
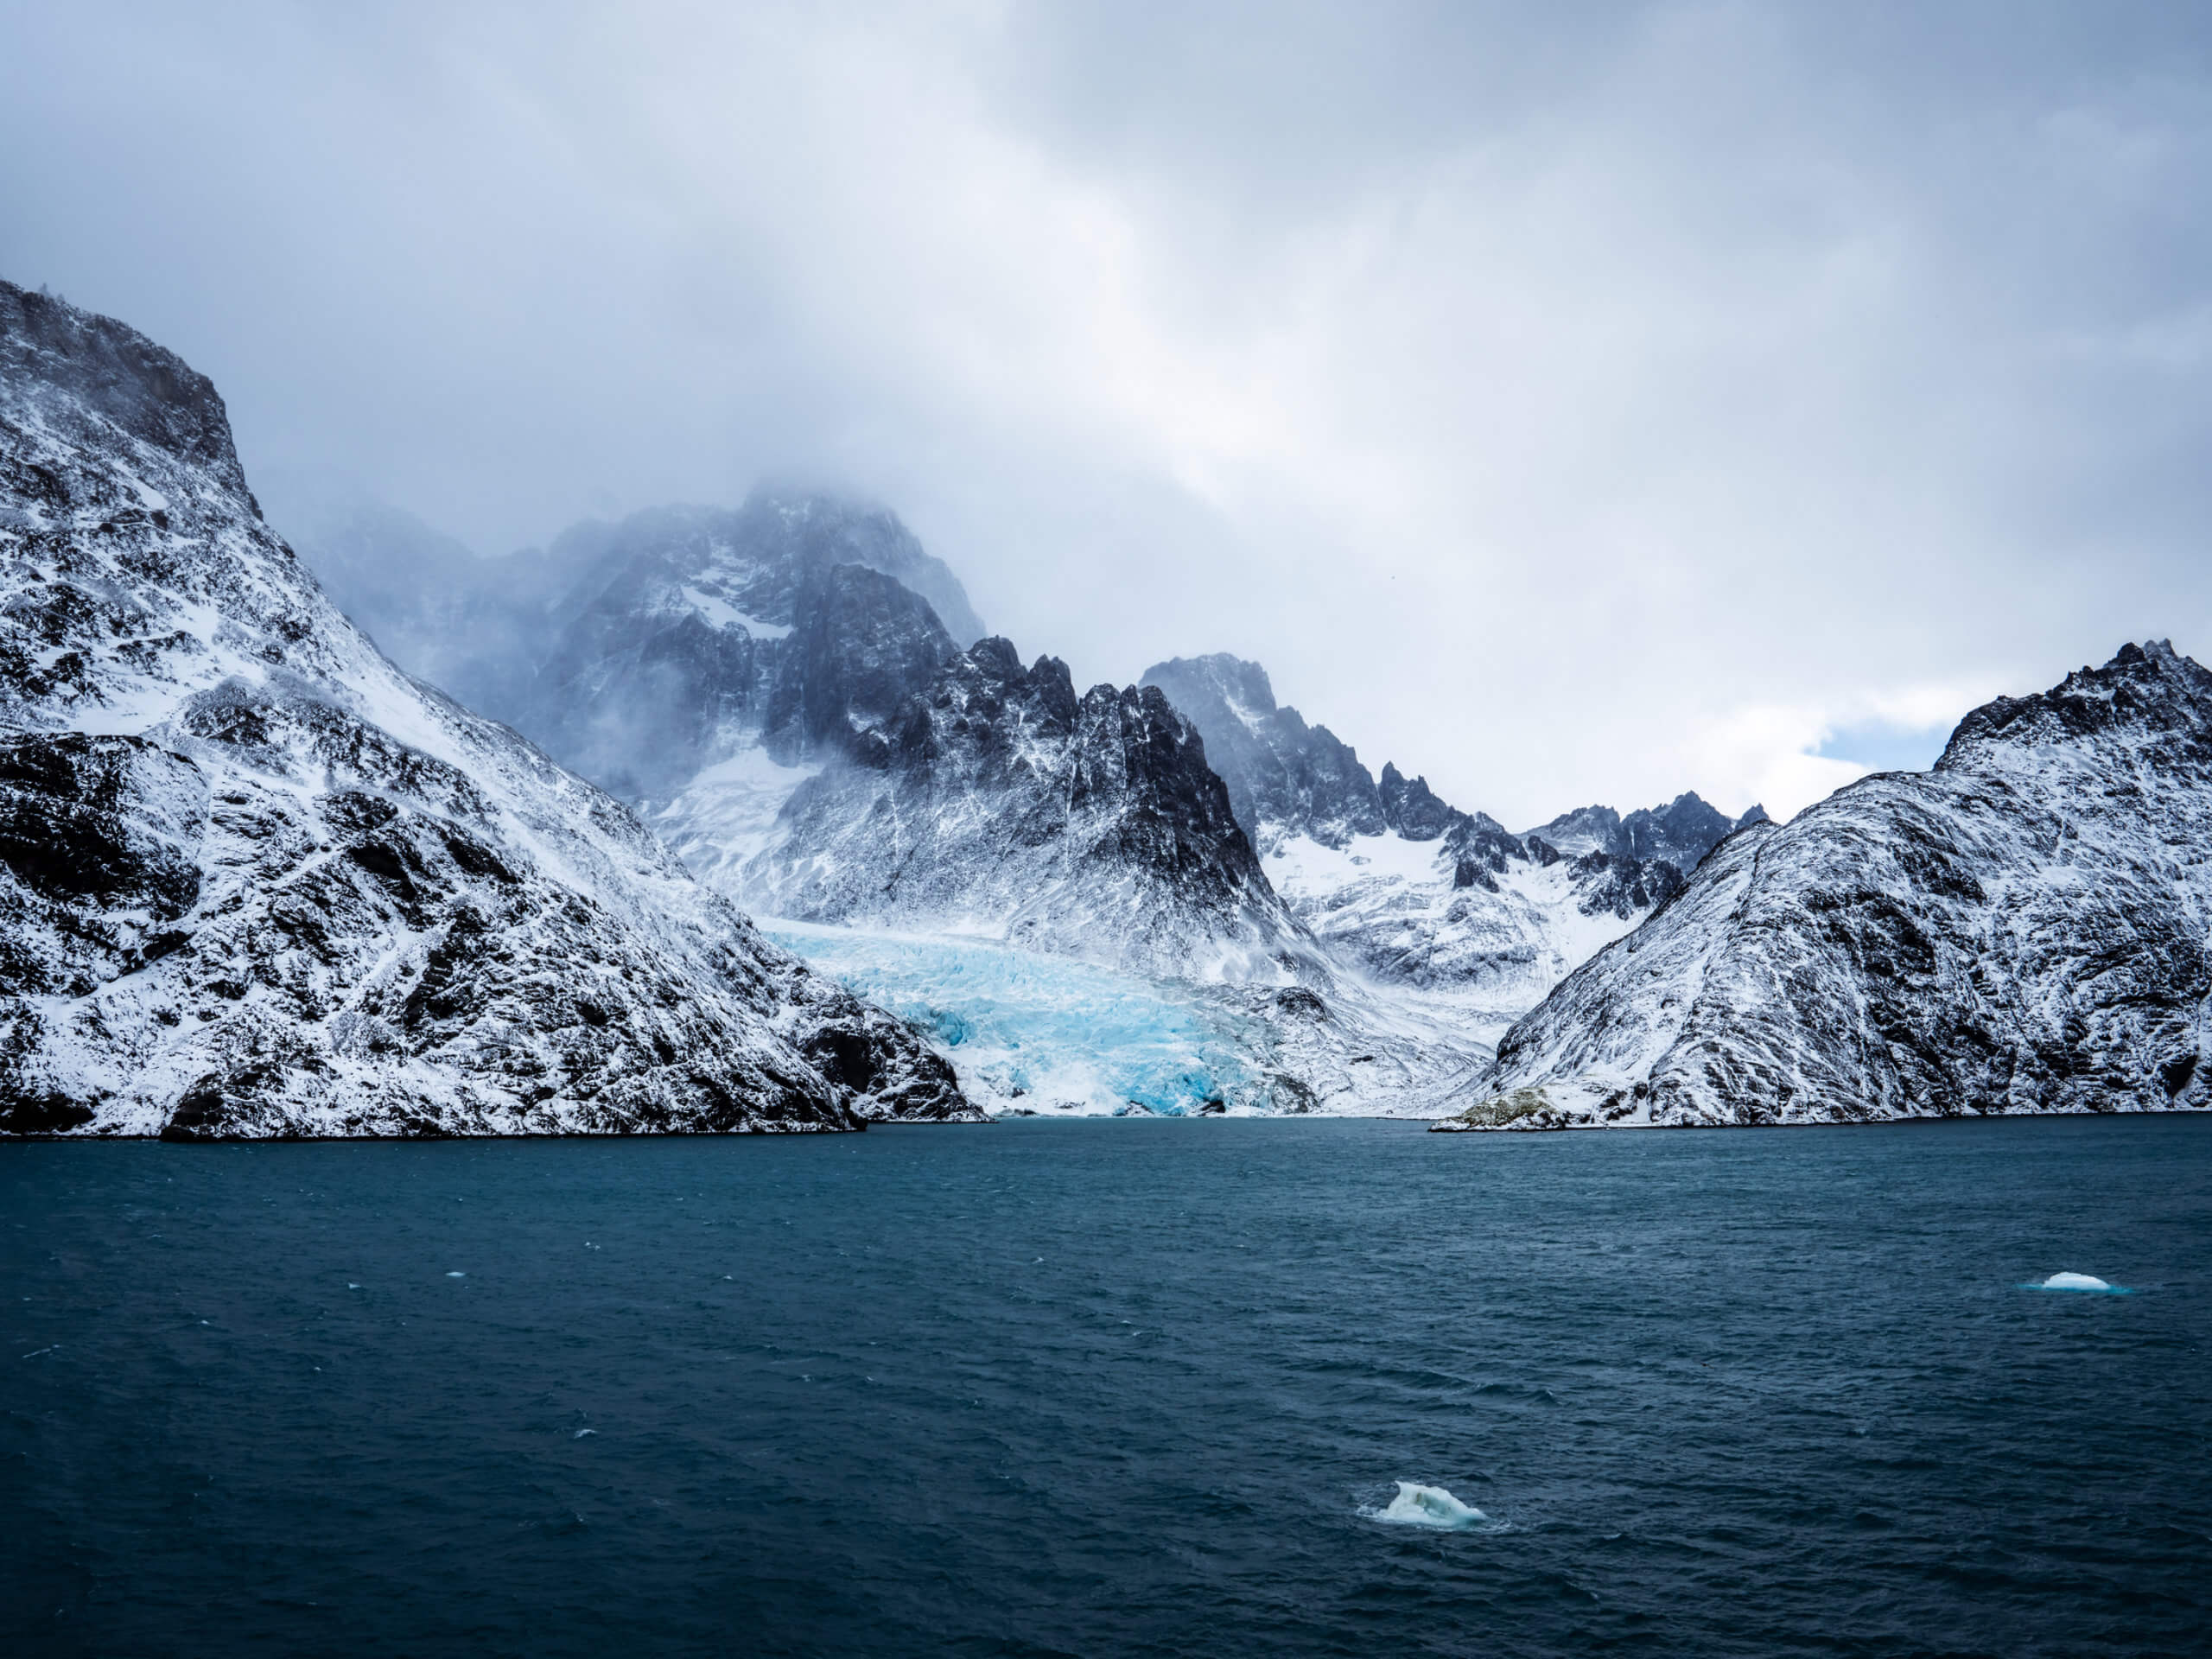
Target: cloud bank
point(1571, 403)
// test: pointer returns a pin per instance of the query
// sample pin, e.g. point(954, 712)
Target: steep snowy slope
point(2026, 928)
point(255, 880)
point(1413, 895)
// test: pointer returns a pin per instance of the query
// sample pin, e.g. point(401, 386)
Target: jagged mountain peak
point(1682, 832)
point(1413, 809)
point(69, 364)
point(1000, 800)
point(1282, 774)
point(1244, 684)
point(2147, 692)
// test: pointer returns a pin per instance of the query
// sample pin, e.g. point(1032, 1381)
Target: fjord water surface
point(1113, 1388)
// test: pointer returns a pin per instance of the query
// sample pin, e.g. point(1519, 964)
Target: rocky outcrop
point(2025, 928)
point(999, 799)
point(254, 880)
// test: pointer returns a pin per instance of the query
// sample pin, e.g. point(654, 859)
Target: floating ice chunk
point(2080, 1282)
point(1417, 1505)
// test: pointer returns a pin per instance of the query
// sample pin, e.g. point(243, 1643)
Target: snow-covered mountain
point(998, 801)
point(638, 652)
point(2025, 928)
point(1414, 895)
point(815, 744)
point(776, 690)
point(255, 881)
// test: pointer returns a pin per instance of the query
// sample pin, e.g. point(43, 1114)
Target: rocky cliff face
point(2025, 928)
point(1282, 775)
point(255, 880)
point(998, 800)
point(663, 673)
point(1410, 892)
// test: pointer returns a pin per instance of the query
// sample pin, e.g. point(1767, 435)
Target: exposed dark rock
point(1682, 832)
point(1090, 825)
point(1412, 808)
point(1279, 770)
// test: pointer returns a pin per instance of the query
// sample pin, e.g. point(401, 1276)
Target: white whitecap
point(1416, 1505)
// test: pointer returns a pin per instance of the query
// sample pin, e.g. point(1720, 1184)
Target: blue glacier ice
point(1027, 1031)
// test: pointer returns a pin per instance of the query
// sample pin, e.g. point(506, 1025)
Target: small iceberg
point(2079, 1282)
point(1416, 1505)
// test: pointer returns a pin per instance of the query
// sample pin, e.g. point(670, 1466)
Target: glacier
point(1029, 1032)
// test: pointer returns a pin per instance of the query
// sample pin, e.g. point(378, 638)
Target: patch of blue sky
point(1883, 746)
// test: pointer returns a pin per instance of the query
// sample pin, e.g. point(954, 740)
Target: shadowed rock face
point(254, 880)
point(1087, 825)
point(1279, 770)
point(2023, 929)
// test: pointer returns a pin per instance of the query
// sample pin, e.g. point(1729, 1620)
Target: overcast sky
point(1571, 404)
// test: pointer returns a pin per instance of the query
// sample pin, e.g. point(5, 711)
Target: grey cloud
point(1569, 402)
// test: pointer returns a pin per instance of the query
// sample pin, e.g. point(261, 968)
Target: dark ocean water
point(1112, 1387)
